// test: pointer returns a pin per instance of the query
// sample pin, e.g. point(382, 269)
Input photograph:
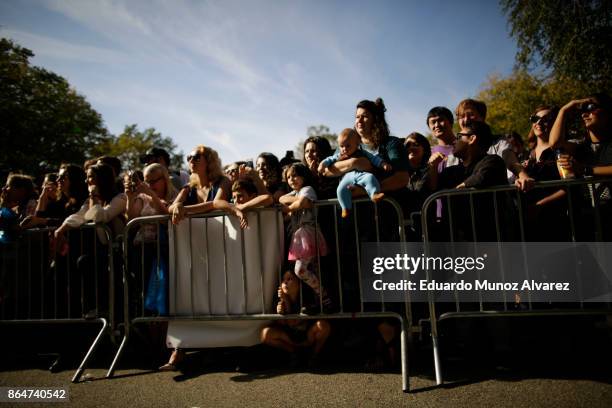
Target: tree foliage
point(132, 143)
point(320, 130)
point(569, 37)
point(42, 119)
point(511, 100)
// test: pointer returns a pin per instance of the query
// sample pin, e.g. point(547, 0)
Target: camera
point(134, 180)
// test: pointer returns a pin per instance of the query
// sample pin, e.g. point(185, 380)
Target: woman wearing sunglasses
point(545, 207)
point(593, 156)
point(207, 183)
point(596, 157)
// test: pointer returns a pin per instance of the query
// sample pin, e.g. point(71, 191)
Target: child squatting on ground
point(348, 146)
point(295, 336)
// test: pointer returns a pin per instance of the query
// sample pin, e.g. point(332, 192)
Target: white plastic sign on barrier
point(198, 269)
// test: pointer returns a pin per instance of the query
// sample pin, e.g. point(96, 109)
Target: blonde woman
point(207, 183)
point(151, 197)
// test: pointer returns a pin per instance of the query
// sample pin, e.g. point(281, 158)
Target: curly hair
point(214, 169)
point(380, 129)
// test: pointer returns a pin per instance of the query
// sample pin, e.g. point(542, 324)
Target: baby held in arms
point(348, 146)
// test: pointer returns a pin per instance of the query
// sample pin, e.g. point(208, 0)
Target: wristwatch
point(588, 171)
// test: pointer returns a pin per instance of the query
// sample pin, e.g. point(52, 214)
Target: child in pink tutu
point(307, 242)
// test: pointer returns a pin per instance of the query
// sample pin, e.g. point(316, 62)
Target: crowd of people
point(369, 162)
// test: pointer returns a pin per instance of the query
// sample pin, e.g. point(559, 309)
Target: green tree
point(132, 143)
point(43, 121)
point(571, 38)
point(511, 100)
point(312, 131)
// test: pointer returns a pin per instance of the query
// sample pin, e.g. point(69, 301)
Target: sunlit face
point(232, 172)
point(63, 182)
point(91, 178)
point(197, 162)
point(415, 151)
point(468, 116)
point(543, 124)
point(156, 182)
point(348, 143)
point(364, 123)
point(440, 126)
point(290, 285)
point(311, 155)
point(241, 196)
point(295, 182)
point(262, 168)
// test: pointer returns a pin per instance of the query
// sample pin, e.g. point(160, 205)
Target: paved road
point(559, 370)
point(137, 388)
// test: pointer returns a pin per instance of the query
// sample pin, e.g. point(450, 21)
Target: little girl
point(306, 240)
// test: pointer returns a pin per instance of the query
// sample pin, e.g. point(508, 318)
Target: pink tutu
point(304, 245)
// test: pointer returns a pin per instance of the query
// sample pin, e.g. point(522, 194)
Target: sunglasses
point(62, 177)
point(459, 135)
point(193, 157)
point(535, 118)
point(588, 107)
point(154, 181)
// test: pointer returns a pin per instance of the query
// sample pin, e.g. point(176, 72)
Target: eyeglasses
point(154, 181)
point(588, 107)
point(459, 135)
point(535, 119)
point(193, 157)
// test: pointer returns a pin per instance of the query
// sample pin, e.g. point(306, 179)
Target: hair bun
point(380, 105)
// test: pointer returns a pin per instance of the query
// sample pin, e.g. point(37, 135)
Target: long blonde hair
point(214, 169)
point(159, 170)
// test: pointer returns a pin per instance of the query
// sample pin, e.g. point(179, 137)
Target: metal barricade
point(248, 297)
point(41, 284)
point(581, 219)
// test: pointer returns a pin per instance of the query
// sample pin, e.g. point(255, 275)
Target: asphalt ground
point(547, 363)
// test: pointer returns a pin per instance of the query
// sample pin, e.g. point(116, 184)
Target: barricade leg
point(111, 370)
point(436, 356)
point(92, 348)
point(404, 354)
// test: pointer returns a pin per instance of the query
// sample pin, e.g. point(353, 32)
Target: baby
point(348, 146)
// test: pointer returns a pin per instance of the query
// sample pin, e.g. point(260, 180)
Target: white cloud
point(54, 48)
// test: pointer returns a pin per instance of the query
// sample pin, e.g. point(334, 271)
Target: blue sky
point(246, 76)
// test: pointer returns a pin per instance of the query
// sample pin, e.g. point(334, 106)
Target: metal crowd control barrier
point(39, 287)
point(581, 199)
point(135, 275)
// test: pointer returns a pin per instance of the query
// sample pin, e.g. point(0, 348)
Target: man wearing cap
point(158, 155)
